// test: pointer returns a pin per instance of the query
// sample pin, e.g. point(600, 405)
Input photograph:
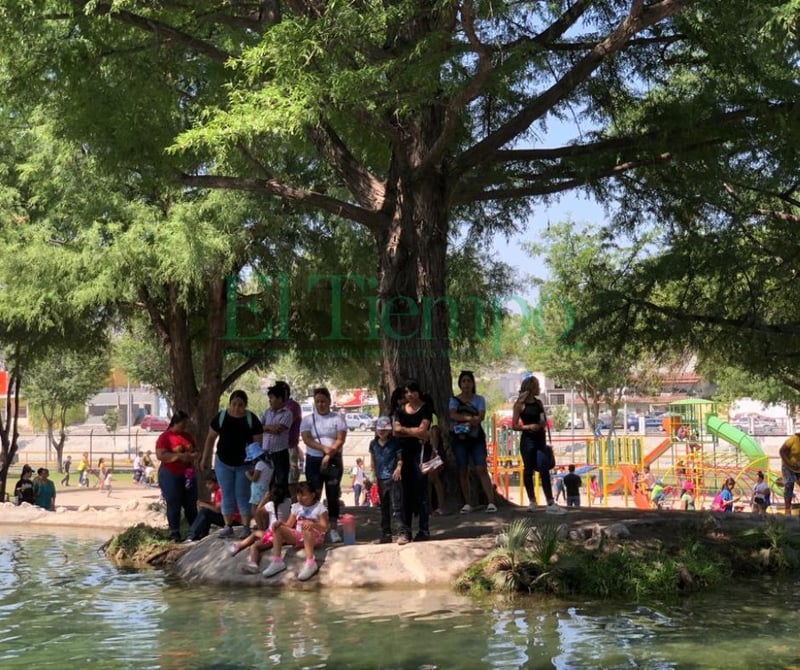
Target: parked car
point(651, 422)
point(359, 421)
point(157, 423)
point(579, 424)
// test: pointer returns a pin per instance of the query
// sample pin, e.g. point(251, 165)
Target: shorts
point(267, 539)
point(319, 538)
point(789, 479)
point(469, 450)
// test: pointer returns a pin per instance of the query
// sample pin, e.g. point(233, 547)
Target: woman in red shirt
point(176, 450)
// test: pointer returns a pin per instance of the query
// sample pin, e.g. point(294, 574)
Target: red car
point(157, 423)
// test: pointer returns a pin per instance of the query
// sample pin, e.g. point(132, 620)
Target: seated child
point(305, 528)
point(277, 505)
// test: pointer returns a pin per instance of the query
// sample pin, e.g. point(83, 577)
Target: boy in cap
point(277, 422)
point(387, 464)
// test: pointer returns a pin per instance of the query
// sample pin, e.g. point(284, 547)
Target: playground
point(697, 451)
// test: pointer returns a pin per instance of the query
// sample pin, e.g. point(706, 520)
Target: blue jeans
point(573, 501)
point(357, 488)
point(235, 487)
point(535, 460)
point(178, 497)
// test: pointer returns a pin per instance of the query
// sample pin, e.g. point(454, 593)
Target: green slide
point(744, 443)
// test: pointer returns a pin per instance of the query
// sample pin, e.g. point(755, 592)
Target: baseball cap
point(383, 423)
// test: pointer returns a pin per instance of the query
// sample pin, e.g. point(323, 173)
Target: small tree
point(60, 381)
point(111, 422)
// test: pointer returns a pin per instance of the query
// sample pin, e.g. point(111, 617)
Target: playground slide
point(640, 499)
point(649, 457)
point(744, 443)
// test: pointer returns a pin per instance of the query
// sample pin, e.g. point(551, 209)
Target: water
point(62, 605)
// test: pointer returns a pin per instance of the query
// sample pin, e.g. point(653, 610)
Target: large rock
point(418, 564)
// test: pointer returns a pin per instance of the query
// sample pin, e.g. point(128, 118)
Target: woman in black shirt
point(529, 417)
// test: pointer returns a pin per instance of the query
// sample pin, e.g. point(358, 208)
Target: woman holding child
point(177, 451)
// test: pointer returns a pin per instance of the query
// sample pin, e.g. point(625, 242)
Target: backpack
point(248, 413)
point(718, 504)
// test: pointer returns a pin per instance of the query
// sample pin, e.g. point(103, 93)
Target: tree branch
point(639, 18)
point(163, 31)
point(270, 187)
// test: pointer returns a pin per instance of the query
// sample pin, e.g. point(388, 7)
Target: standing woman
point(236, 427)
point(324, 433)
point(177, 451)
point(529, 417)
point(467, 412)
point(411, 428)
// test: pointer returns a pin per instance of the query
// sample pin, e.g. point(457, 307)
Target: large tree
point(408, 117)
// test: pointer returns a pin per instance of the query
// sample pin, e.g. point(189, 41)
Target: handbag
point(334, 470)
point(551, 454)
point(431, 464)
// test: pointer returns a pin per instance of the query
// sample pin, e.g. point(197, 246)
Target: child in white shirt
point(277, 505)
point(305, 528)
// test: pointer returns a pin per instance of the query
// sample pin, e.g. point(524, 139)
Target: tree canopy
point(421, 121)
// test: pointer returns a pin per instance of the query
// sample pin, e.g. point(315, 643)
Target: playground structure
point(698, 447)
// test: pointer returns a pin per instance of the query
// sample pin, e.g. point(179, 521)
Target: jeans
point(573, 501)
point(415, 498)
point(357, 489)
point(391, 505)
point(280, 461)
point(235, 487)
point(203, 522)
point(178, 497)
point(333, 489)
point(537, 460)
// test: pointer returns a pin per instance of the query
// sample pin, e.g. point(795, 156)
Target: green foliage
point(137, 544)
point(111, 419)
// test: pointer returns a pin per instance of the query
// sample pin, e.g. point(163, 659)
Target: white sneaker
point(552, 508)
point(334, 536)
point(491, 508)
point(532, 507)
point(274, 568)
point(466, 509)
point(307, 571)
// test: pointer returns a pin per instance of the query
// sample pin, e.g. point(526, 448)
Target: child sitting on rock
point(305, 528)
point(277, 505)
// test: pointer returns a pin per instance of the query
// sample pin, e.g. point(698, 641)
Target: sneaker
point(552, 508)
point(244, 532)
point(188, 540)
point(491, 508)
point(227, 531)
point(438, 512)
point(334, 536)
point(422, 536)
point(532, 507)
point(251, 568)
point(403, 539)
point(233, 549)
point(385, 539)
point(274, 568)
point(466, 509)
point(309, 569)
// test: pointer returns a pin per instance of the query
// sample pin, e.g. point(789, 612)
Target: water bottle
point(349, 529)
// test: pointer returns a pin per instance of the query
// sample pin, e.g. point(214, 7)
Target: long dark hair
point(179, 416)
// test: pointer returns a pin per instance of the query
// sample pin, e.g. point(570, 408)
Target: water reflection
point(63, 606)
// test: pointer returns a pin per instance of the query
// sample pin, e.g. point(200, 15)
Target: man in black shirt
point(572, 485)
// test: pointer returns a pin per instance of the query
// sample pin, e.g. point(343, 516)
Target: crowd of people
point(266, 491)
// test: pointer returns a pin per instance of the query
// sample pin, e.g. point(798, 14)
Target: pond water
point(62, 605)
